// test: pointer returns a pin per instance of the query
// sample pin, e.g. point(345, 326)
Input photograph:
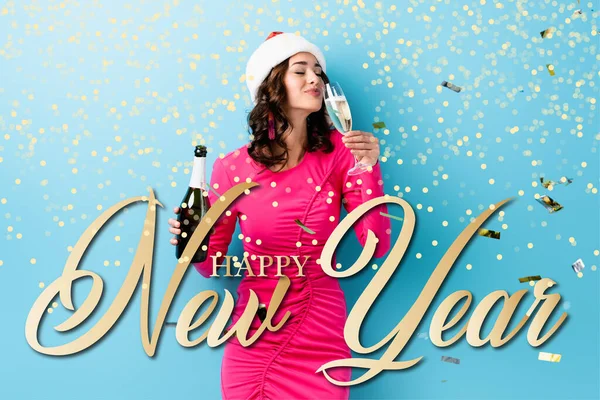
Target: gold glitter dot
point(499, 257)
point(318, 188)
point(50, 311)
point(469, 267)
point(41, 285)
point(434, 243)
point(531, 283)
point(444, 223)
point(204, 247)
point(338, 266)
point(580, 274)
point(419, 255)
point(33, 261)
point(1, 263)
point(118, 238)
point(530, 245)
point(593, 268)
point(244, 217)
point(483, 166)
point(298, 244)
point(55, 304)
point(275, 204)
point(332, 218)
point(273, 184)
point(314, 242)
point(258, 242)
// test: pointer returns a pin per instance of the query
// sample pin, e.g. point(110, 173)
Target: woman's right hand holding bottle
point(174, 227)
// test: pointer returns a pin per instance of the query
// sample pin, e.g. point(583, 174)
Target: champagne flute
point(339, 112)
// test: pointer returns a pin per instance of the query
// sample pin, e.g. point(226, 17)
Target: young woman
point(301, 166)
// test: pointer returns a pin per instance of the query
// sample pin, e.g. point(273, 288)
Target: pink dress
point(282, 364)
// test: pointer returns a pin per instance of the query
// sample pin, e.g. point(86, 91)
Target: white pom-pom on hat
point(276, 48)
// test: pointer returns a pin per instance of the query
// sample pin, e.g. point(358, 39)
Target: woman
point(301, 167)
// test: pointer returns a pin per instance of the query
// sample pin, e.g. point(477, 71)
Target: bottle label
point(198, 178)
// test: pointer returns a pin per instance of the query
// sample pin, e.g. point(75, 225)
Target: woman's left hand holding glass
point(363, 145)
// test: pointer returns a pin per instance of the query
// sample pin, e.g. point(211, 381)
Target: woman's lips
point(314, 93)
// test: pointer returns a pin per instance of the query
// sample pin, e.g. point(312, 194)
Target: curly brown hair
point(271, 96)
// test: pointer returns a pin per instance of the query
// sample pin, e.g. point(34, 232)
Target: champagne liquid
point(193, 208)
point(339, 112)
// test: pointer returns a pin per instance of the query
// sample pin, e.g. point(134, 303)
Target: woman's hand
point(174, 227)
point(363, 145)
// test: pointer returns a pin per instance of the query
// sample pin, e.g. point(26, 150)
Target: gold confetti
point(550, 357)
point(379, 125)
point(530, 278)
point(550, 205)
point(308, 230)
point(488, 233)
point(550, 69)
point(547, 33)
point(391, 216)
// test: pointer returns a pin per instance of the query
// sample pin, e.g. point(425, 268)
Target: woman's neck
point(295, 138)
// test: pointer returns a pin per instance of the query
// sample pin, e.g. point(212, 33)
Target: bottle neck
point(198, 178)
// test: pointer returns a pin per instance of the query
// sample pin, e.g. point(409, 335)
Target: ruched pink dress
point(282, 364)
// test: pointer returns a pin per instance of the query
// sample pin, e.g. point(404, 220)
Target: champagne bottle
point(193, 207)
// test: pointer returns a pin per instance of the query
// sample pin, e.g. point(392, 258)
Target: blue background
point(101, 100)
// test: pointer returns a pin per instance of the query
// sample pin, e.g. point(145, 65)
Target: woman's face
point(303, 83)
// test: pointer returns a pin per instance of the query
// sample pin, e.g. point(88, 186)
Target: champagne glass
point(339, 112)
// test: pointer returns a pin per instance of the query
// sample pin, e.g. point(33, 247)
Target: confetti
point(547, 33)
point(488, 233)
point(549, 357)
point(546, 184)
point(262, 312)
point(578, 266)
point(444, 381)
point(550, 69)
point(530, 278)
point(451, 86)
point(450, 360)
point(549, 204)
point(391, 216)
point(308, 230)
point(379, 125)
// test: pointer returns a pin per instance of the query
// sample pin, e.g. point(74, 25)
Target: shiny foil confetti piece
point(488, 233)
point(306, 229)
point(550, 357)
point(550, 69)
point(550, 205)
point(213, 190)
point(578, 266)
point(379, 125)
point(546, 184)
point(391, 216)
point(451, 86)
point(546, 33)
point(530, 278)
point(262, 312)
point(451, 360)
point(444, 381)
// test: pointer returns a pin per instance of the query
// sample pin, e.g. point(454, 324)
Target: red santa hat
point(276, 48)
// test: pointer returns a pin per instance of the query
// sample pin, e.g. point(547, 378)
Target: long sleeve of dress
point(222, 232)
point(358, 189)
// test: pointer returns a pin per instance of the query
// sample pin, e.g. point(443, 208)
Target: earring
point(271, 126)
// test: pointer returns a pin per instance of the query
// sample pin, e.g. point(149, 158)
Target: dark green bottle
point(193, 207)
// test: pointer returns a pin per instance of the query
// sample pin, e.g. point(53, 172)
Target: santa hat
point(276, 48)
